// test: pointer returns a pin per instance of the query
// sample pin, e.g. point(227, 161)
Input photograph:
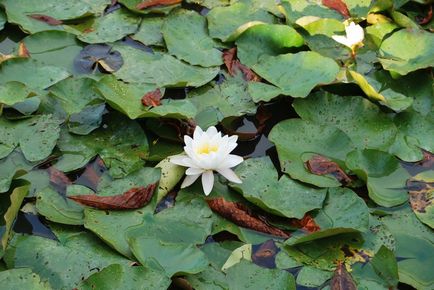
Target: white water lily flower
point(207, 152)
point(354, 37)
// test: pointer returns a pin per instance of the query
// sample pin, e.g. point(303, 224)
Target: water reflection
point(28, 223)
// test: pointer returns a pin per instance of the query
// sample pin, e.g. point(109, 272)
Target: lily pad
point(82, 251)
point(186, 37)
point(12, 165)
point(160, 69)
point(120, 142)
point(398, 55)
point(296, 140)
point(106, 28)
point(266, 39)
point(282, 196)
point(227, 23)
point(22, 279)
point(149, 32)
point(13, 92)
point(297, 74)
point(360, 119)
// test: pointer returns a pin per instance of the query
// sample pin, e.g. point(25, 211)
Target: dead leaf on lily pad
point(132, 199)
point(152, 98)
point(58, 179)
point(45, 18)
point(241, 216)
point(337, 5)
point(307, 223)
point(151, 3)
point(22, 50)
point(420, 194)
point(342, 280)
point(321, 165)
point(234, 66)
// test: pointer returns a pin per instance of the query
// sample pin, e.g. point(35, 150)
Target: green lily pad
point(157, 9)
point(63, 263)
point(87, 120)
point(22, 279)
point(324, 26)
point(120, 142)
point(36, 136)
point(227, 23)
point(3, 20)
point(312, 277)
point(296, 140)
point(160, 69)
point(13, 92)
point(399, 55)
point(246, 275)
point(149, 32)
point(229, 98)
point(414, 244)
point(384, 264)
point(53, 48)
point(118, 276)
point(343, 212)
point(266, 39)
point(385, 178)
point(296, 9)
point(106, 28)
point(297, 74)
point(11, 166)
point(33, 73)
point(18, 12)
point(186, 37)
point(283, 196)
point(360, 119)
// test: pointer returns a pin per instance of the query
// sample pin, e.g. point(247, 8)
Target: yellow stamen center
point(207, 148)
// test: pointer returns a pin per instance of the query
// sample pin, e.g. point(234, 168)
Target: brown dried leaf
point(422, 20)
point(320, 165)
point(152, 98)
point(241, 216)
point(58, 179)
point(132, 199)
point(150, 3)
point(307, 223)
point(22, 50)
point(420, 194)
point(265, 254)
point(234, 65)
point(45, 18)
point(337, 5)
point(342, 280)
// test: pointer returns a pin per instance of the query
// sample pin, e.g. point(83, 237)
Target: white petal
point(187, 140)
point(211, 131)
point(231, 160)
point(179, 160)
point(197, 132)
point(194, 171)
point(189, 180)
point(341, 39)
point(229, 175)
point(207, 181)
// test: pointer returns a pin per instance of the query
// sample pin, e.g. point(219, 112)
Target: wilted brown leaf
point(307, 223)
point(420, 194)
point(45, 18)
point(342, 280)
point(265, 254)
point(22, 50)
point(234, 65)
point(320, 165)
point(150, 3)
point(241, 216)
point(58, 179)
point(152, 98)
point(422, 20)
point(337, 5)
point(132, 199)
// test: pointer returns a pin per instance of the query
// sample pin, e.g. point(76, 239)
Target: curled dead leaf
point(234, 65)
point(22, 50)
point(337, 5)
point(420, 194)
point(152, 98)
point(320, 165)
point(58, 180)
point(341, 279)
point(132, 199)
point(151, 3)
point(307, 223)
point(241, 216)
point(45, 18)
